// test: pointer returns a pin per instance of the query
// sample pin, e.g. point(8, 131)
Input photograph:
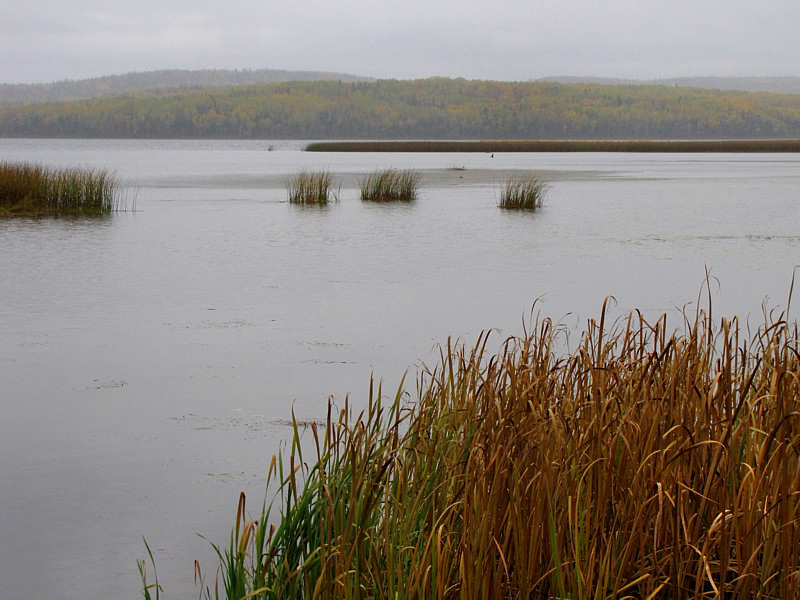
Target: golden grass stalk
point(644, 464)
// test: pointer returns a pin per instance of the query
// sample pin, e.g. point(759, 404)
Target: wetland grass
point(489, 146)
point(389, 185)
point(30, 189)
point(312, 187)
point(642, 464)
point(523, 192)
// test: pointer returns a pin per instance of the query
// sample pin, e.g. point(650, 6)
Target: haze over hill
point(167, 81)
point(174, 81)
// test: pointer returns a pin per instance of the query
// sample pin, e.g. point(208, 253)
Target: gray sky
point(46, 40)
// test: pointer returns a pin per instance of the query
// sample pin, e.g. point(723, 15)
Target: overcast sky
point(47, 40)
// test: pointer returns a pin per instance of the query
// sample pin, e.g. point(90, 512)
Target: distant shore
point(560, 146)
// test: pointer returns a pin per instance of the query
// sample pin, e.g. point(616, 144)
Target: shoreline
point(489, 146)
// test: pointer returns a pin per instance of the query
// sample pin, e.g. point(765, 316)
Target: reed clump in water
point(523, 192)
point(312, 187)
point(390, 184)
point(33, 189)
point(643, 464)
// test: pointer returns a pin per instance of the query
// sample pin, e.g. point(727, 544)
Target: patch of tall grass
point(643, 464)
point(312, 187)
point(390, 184)
point(523, 192)
point(30, 188)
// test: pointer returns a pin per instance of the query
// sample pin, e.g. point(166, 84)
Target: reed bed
point(643, 464)
point(560, 146)
point(33, 189)
point(312, 187)
point(523, 192)
point(390, 184)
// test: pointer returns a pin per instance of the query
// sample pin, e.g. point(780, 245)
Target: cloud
point(507, 39)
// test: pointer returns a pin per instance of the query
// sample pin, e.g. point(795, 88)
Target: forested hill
point(779, 85)
point(164, 82)
point(422, 109)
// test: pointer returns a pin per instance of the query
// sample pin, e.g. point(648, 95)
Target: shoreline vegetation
point(642, 463)
point(31, 190)
point(491, 146)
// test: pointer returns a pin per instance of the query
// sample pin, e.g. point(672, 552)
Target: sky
point(49, 40)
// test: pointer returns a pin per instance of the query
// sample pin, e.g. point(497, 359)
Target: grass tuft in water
point(645, 464)
point(33, 189)
point(523, 192)
point(312, 187)
point(389, 185)
point(146, 586)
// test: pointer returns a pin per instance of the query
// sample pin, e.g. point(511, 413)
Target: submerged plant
point(312, 187)
point(30, 188)
point(390, 184)
point(643, 464)
point(523, 192)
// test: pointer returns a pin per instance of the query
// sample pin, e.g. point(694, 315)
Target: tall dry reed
point(525, 192)
point(643, 464)
point(390, 184)
point(30, 188)
point(312, 187)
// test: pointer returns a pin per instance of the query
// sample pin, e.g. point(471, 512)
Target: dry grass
point(312, 187)
point(390, 184)
point(560, 146)
point(34, 189)
point(525, 192)
point(643, 464)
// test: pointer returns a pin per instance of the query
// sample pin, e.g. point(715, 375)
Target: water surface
point(149, 361)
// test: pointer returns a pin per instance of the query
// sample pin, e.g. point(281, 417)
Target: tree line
point(435, 108)
point(162, 82)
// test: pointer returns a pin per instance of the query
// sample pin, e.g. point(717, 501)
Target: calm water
point(149, 361)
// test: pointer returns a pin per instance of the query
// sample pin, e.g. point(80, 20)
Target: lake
point(150, 361)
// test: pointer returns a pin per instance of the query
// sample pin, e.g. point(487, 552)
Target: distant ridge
point(175, 81)
point(780, 85)
point(164, 82)
point(427, 109)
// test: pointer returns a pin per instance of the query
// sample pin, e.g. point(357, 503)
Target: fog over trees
point(164, 82)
